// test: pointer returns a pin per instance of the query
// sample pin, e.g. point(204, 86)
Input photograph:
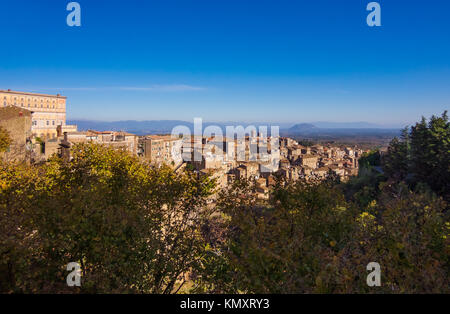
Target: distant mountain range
point(157, 126)
point(347, 125)
point(339, 130)
point(302, 127)
point(132, 126)
point(166, 126)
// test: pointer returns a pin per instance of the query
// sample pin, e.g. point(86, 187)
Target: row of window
point(29, 106)
point(47, 122)
point(34, 99)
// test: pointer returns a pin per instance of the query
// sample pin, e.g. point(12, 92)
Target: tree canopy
point(135, 228)
point(422, 155)
point(5, 140)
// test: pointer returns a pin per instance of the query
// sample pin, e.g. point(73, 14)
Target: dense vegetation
point(137, 229)
point(5, 140)
point(422, 156)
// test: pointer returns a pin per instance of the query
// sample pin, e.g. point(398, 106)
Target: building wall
point(163, 150)
point(119, 140)
point(18, 124)
point(309, 161)
point(48, 111)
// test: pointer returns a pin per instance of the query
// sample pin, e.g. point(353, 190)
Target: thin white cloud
point(166, 88)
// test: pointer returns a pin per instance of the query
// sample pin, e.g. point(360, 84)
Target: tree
point(430, 153)
point(370, 159)
point(283, 247)
point(139, 229)
point(19, 246)
point(395, 162)
point(408, 236)
point(422, 156)
point(131, 227)
point(310, 239)
point(5, 140)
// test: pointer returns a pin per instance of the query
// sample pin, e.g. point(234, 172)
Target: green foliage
point(395, 162)
point(306, 142)
point(138, 229)
point(422, 155)
point(430, 153)
point(5, 140)
point(408, 236)
point(18, 251)
point(370, 159)
point(364, 188)
point(190, 167)
point(284, 247)
point(132, 228)
point(311, 240)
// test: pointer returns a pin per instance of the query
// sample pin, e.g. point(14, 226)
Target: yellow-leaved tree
point(131, 227)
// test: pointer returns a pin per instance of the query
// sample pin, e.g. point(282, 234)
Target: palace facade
point(47, 111)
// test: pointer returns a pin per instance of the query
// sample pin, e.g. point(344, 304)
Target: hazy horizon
point(234, 122)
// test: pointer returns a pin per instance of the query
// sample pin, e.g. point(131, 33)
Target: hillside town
point(224, 156)
point(37, 124)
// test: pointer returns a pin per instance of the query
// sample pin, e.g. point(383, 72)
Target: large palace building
point(47, 111)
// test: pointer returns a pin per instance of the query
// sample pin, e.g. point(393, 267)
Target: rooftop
point(31, 94)
point(13, 111)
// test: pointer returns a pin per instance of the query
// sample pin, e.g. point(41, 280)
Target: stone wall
point(17, 122)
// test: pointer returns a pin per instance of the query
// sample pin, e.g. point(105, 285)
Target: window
point(48, 122)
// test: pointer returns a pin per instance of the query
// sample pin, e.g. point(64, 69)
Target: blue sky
point(240, 60)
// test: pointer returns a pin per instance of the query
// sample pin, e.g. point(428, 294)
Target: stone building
point(309, 161)
point(219, 175)
point(47, 111)
point(339, 171)
point(322, 172)
point(262, 189)
point(17, 122)
point(119, 140)
point(161, 149)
